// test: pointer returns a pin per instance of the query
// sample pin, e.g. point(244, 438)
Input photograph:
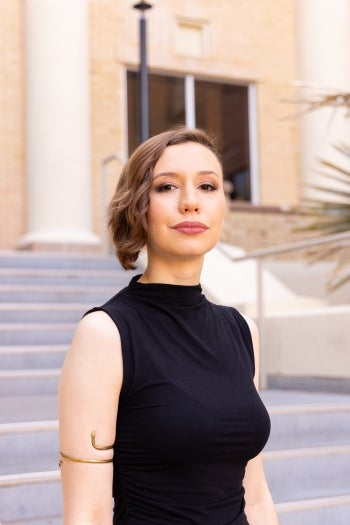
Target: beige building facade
point(69, 106)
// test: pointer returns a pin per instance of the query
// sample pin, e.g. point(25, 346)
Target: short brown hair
point(130, 202)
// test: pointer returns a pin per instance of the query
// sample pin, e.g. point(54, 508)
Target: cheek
point(219, 209)
point(157, 214)
point(224, 207)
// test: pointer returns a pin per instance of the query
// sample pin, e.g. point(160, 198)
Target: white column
point(323, 60)
point(190, 103)
point(58, 124)
point(253, 144)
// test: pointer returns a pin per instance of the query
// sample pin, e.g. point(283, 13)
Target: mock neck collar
point(171, 294)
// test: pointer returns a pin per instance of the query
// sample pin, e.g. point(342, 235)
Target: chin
point(195, 251)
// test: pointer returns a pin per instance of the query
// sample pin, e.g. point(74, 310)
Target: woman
point(158, 404)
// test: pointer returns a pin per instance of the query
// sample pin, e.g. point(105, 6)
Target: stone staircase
point(307, 459)
point(42, 297)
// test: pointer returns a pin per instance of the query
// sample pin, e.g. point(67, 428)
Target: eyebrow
point(174, 174)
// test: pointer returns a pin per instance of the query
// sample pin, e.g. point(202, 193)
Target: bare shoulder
point(97, 324)
point(95, 346)
point(96, 330)
point(255, 340)
point(252, 327)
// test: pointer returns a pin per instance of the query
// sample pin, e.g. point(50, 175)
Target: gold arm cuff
point(80, 460)
point(97, 447)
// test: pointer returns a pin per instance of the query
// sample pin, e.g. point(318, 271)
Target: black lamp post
point(144, 117)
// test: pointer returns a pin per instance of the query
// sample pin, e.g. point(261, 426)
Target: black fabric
point(189, 415)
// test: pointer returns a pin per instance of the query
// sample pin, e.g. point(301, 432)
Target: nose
point(189, 201)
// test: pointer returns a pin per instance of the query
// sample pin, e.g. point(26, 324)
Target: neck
point(185, 273)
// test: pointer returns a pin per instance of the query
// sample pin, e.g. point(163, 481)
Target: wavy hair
point(130, 202)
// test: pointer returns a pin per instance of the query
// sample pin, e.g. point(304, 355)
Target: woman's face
point(187, 202)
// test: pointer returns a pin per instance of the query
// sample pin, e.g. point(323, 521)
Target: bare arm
point(88, 401)
point(259, 509)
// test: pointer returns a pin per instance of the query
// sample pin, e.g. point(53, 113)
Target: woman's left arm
point(260, 509)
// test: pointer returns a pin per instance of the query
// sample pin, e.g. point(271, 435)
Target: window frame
point(190, 116)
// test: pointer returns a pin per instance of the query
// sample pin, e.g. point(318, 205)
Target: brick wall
point(252, 228)
point(246, 41)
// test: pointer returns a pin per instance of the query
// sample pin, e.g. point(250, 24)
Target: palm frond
point(343, 148)
point(326, 227)
point(313, 205)
point(330, 215)
point(335, 284)
point(331, 210)
point(332, 191)
point(324, 255)
point(340, 176)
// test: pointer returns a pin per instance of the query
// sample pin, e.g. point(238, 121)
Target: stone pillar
point(58, 164)
point(323, 60)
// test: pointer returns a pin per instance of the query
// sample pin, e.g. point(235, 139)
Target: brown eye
point(208, 187)
point(165, 188)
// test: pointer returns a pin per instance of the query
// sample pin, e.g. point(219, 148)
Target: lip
point(191, 227)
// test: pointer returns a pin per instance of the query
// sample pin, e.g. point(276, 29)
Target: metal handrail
point(291, 247)
point(116, 156)
point(259, 256)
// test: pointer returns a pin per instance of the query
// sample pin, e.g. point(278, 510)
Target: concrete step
point(75, 277)
point(58, 520)
point(309, 425)
point(42, 312)
point(333, 510)
point(30, 496)
point(29, 382)
point(93, 295)
point(293, 398)
point(26, 357)
point(18, 469)
point(29, 446)
point(28, 408)
point(305, 473)
point(36, 333)
point(51, 260)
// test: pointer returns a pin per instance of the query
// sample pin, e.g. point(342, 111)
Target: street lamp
point(144, 117)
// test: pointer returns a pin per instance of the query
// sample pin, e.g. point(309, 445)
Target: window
point(219, 107)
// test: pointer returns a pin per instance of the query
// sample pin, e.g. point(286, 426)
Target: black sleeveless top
point(189, 415)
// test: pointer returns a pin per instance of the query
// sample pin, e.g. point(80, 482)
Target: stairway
point(307, 460)
point(42, 297)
